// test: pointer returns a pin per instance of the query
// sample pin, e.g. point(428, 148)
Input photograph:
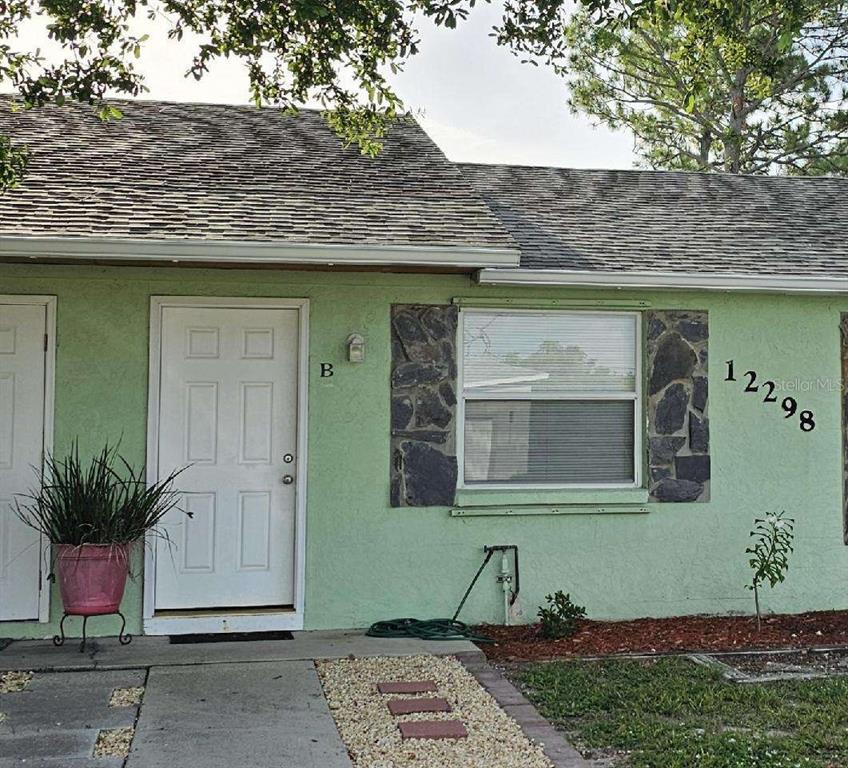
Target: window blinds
point(550, 398)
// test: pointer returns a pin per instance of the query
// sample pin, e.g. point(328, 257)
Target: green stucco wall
point(367, 561)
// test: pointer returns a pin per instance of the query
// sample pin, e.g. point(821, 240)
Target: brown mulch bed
point(672, 635)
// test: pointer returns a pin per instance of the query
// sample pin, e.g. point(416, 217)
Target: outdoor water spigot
point(505, 577)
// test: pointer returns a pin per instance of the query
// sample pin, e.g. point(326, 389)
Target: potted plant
point(94, 514)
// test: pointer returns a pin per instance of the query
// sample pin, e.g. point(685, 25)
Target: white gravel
point(126, 697)
point(371, 735)
point(14, 682)
point(114, 742)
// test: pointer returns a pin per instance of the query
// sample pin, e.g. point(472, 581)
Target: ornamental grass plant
point(103, 501)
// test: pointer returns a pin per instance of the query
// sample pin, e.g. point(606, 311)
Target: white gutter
point(242, 252)
point(664, 280)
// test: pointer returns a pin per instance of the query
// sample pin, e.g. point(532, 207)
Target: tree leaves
point(334, 52)
point(13, 162)
point(770, 551)
point(754, 87)
point(339, 53)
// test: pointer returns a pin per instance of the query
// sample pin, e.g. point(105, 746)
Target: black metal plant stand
point(123, 638)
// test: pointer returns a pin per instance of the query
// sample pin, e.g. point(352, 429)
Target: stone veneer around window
point(423, 405)
point(423, 387)
point(677, 403)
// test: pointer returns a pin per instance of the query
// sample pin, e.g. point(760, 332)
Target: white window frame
point(635, 396)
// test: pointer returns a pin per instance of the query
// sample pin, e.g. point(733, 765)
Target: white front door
point(23, 329)
point(228, 408)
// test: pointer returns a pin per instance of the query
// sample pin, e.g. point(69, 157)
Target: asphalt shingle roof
point(230, 173)
point(191, 171)
point(657, 221)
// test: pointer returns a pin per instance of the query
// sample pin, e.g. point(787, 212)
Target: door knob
point(287, 479)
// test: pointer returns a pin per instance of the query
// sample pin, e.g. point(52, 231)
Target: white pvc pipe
point(506, 584)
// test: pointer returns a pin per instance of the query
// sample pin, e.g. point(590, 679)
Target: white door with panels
point(23, 390)
point(228, 408)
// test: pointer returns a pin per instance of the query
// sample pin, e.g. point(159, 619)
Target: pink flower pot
point(92, 577)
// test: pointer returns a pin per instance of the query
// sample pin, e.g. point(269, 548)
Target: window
point(550, 398)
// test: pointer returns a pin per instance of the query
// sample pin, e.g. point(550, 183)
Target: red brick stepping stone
point(415, 686)
point(411, 706)
point(433, 729)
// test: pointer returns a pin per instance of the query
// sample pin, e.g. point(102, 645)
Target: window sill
point(565, 509)
point(568, 501)
point(549, 497)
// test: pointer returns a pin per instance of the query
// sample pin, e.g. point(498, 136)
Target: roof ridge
point(10, 96)
point(653, 171)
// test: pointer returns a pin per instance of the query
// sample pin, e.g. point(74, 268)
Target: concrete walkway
point(54, 721)
point(107, 653)
point(254, 715)
point(255, 704)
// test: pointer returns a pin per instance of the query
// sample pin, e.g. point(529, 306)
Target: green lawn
point(671, 713)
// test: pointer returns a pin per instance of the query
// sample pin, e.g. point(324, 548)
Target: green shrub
point(561, 617)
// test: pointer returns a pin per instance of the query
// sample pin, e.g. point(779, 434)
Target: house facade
point(374, 368)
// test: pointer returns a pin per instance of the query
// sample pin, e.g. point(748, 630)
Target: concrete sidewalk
point(107, 653)
point(253, 715)
point(255, 704)
point(54, 721)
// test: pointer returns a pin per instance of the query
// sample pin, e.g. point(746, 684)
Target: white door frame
point(49, 304)
point(248, 619)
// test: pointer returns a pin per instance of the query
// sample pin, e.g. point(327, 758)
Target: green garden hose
point(439, 629)
point(428, 629)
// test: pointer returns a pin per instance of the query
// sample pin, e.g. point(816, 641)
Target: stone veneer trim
point(677, 405)
point(423, 405)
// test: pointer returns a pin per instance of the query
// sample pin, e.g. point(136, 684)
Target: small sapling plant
point(769, 554)
point(561, 617)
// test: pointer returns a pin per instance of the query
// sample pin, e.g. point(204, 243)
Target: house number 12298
point(788, 404)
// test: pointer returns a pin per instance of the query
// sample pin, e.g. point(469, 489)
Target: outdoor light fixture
point(355, 348)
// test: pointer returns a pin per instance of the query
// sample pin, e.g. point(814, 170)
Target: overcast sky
point(478, 101)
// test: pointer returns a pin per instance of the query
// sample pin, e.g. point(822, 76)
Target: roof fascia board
point(664, 280)
point(240, 252)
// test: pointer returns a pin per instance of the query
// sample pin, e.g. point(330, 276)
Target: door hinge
point(45, 342)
